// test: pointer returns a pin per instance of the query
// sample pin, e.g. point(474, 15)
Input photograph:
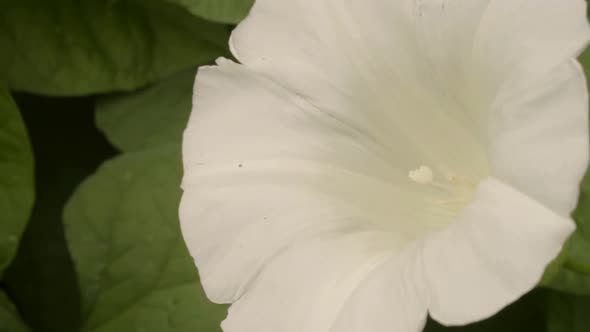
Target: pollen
point(422, 175)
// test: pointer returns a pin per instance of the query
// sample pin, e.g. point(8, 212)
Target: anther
point(422, 175)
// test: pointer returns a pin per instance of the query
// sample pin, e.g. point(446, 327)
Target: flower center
point(457, 190)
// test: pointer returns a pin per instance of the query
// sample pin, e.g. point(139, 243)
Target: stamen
point(422, 175)
point(458, 190)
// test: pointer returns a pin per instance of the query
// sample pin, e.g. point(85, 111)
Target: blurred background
point(94, 96)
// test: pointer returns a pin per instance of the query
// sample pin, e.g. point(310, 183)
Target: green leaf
point(150, 117)
point(574, 276)
point(226, 11)
point(16, 178)
point(584, 59)
point(135, 272)
point(122, 226)
point(71, 47)
point(568, 313)
point(9, 318)
point(41, 279)
point(571, 281)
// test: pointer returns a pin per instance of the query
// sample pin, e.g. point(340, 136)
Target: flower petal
point(323, 50)
point(303, 288)
point(264, 171)
point(326, 50)
point(247, 117)
point(391, 298)
point(436, 72)
point(496, 251)
point(520, 41)
point(539, 140)
point(364, 62)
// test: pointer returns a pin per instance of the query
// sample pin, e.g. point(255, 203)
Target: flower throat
point(458, 189)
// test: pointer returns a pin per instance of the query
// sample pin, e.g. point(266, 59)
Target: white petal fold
point(540, 139)
point(496, 251)
point(304, 287)
point(391, 298)
point(520, 41)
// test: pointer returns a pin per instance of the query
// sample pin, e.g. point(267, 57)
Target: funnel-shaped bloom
point(372, 161)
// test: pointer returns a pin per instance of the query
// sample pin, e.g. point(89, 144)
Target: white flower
point(372, 161)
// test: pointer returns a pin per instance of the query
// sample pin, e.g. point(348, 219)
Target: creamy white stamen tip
point(422, 175)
